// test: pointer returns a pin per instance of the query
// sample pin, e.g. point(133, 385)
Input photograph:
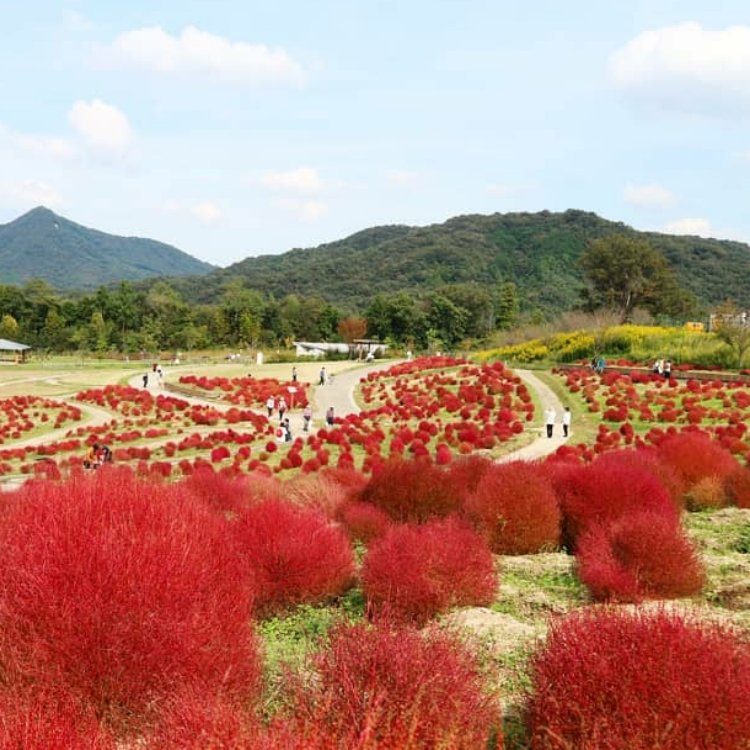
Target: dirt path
point(542, 446)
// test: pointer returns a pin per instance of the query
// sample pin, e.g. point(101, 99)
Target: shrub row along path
point(339, 393)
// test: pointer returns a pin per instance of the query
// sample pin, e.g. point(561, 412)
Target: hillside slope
point(41, 244)
point(538, 251)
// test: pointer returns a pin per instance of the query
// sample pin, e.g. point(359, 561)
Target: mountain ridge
point(68, 255)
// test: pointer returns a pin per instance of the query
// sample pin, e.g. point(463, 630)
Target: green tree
point(446, 320)
point(624, 273)
point(8, 327)
point(506, 305)
point(732, 326)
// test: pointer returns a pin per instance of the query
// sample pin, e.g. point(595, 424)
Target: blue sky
point(233, 128)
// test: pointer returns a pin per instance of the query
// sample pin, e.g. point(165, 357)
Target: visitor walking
point(668, 369)
point(270, 403)
point(322, 376)
point(307, 416)
point(330, 418)
point(282, 409)
point(145, 380)
point(549, 420)
point(566, 419)
point(287, 431)
point(294, 374)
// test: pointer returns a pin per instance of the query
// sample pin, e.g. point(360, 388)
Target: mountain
point(537, 251)
point(41, 244)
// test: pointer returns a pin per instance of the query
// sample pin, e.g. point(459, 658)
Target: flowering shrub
point(418, 571)
point(363, 521)
point(515, 507)
point(392, 688)
point(737, 487)
point(694, 456)
point(608, 679)
point(292, 555)
point(48, 722)
point(410, 491)
point(639, 556)
point(600, 493)
point(114, 590)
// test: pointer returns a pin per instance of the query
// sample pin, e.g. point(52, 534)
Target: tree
point(352, 328)
point(447, 321)
point(8, 327)
point(506, 306)
point(624, 273)
point(732, 327)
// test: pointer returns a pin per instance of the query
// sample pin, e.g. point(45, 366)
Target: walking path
point(542, 446)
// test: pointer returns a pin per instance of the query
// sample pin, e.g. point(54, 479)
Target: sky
point(234, 128)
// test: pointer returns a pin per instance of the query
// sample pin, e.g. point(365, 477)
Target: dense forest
point(127, 319)
point(538, 252)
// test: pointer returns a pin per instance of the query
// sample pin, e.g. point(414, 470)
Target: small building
point(12, 351)
point(319, 348)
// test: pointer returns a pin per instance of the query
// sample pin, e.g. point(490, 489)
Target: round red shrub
point(737, 487)
point(385, 687)
point(465, 472)
point(416, 572)
point(695, 456)
point(639, 556)
point(292, 555)
point(410, 491)
point(603, 491)
point(195, 721)
point(608, 679)
point(43, 721)
point(226, 493)
point(316, 492)
point(115, 589)
point(364, 522)
point(515, 508)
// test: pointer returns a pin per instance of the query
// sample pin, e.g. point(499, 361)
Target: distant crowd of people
point(97, 455)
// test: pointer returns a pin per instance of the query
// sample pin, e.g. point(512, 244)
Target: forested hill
point(41, 244)
point(537, 251)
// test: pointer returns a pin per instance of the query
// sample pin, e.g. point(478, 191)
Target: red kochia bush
point(363, 521)
point(639, 556)
point(193, 721)
point(609, 679)
point(600, 493)
point(515, 507)
point(737, 487)
point(228, 494)
point(411, 491)
point(114, 590)
point(418, 571)
point(392, 688)
point(695, 456)
point(292, 554)
point(46, 722)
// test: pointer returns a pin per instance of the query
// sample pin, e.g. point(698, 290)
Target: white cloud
point(308, 211)
point(687, 67)
point(302, 180)
point(695, 226)
point(48, 146)
point(649, 196)
point(206, 212)
point(28, 194)
point(104, 127)
point(200, 54)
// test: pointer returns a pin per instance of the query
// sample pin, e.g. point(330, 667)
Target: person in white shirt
point(549, 420)
point(270, 403)
point(566, 417)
